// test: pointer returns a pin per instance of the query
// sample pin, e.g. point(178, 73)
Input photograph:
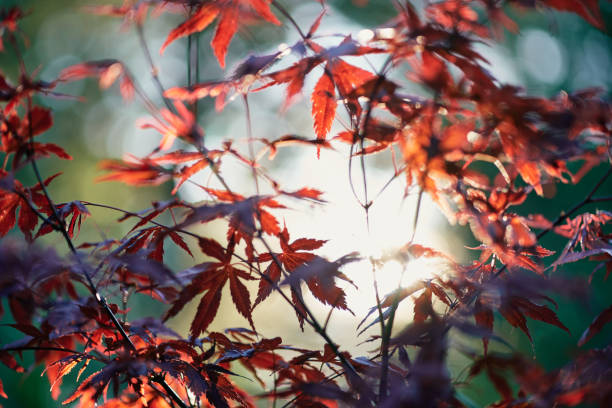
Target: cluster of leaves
point(59, 302)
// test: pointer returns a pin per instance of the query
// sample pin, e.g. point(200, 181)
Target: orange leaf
point(188, 171)
point(197, 22)
point(323, 106)
point(531, 174)
point(228, 24)
point(262, 7)
point(348, 76)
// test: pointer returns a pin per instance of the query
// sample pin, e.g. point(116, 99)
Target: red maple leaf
point(323, 105)
point(211, 277)
point(230, 12)
point(292, 256)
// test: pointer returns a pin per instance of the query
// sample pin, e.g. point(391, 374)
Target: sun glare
point(342, 221)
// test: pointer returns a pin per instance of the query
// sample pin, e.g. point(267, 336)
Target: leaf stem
point(288, 16)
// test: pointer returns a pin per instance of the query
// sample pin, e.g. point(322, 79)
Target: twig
point(154, 73)
point(588, 199)
point(284, 12)
point(249, 124)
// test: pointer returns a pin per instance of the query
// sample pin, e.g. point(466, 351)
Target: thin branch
point(41, 348)
point(169, 390)
point(154, 71)
point(288, 16)
point(588, 199)
point(249, 124)
point(600, 199)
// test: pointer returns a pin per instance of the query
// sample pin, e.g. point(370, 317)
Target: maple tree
point(70, 301)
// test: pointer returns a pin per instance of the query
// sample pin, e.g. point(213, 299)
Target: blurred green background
point(554, 52)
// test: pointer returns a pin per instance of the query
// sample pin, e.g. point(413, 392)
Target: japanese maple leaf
point(134, 171)
point(230, 14)
point(245, 74)
point(341, 75)
point(429, 152)
point(244, 214)
point(16, 134)
point(108, 71)
point(292, 256)
point(182, 124)
point(323, 105)
point(22, 198)
point(211, 277)
point(75, 210)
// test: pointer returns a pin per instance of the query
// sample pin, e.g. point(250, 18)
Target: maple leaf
point(95, 385)
point(211, 277)
point(149, 214)
point(245, 74)
point(134, 266)
point(323, 105)
point(134, 171)
point(595, 327)
point(504, 234)
point(292, 256)
point(16, 134)
point(294, 76)
point(76, 210)
point(244, 215)
point(306, 193)
point(230, 12)
point(432, 71)
point(318, 273)
point(492, 365)
point(27, 200)
point(288, 140)
point(215, 89)
point(520, 294)
point(30, 275)
point(182, 125)
point(108, 71)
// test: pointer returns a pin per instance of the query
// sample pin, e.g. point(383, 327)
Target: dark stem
point(588, 199)
point(169, 390)
point(40, 348)
point(600, 199)
point(285, 13)
point(384, 345)
point(154, 73)
point(249, 124)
